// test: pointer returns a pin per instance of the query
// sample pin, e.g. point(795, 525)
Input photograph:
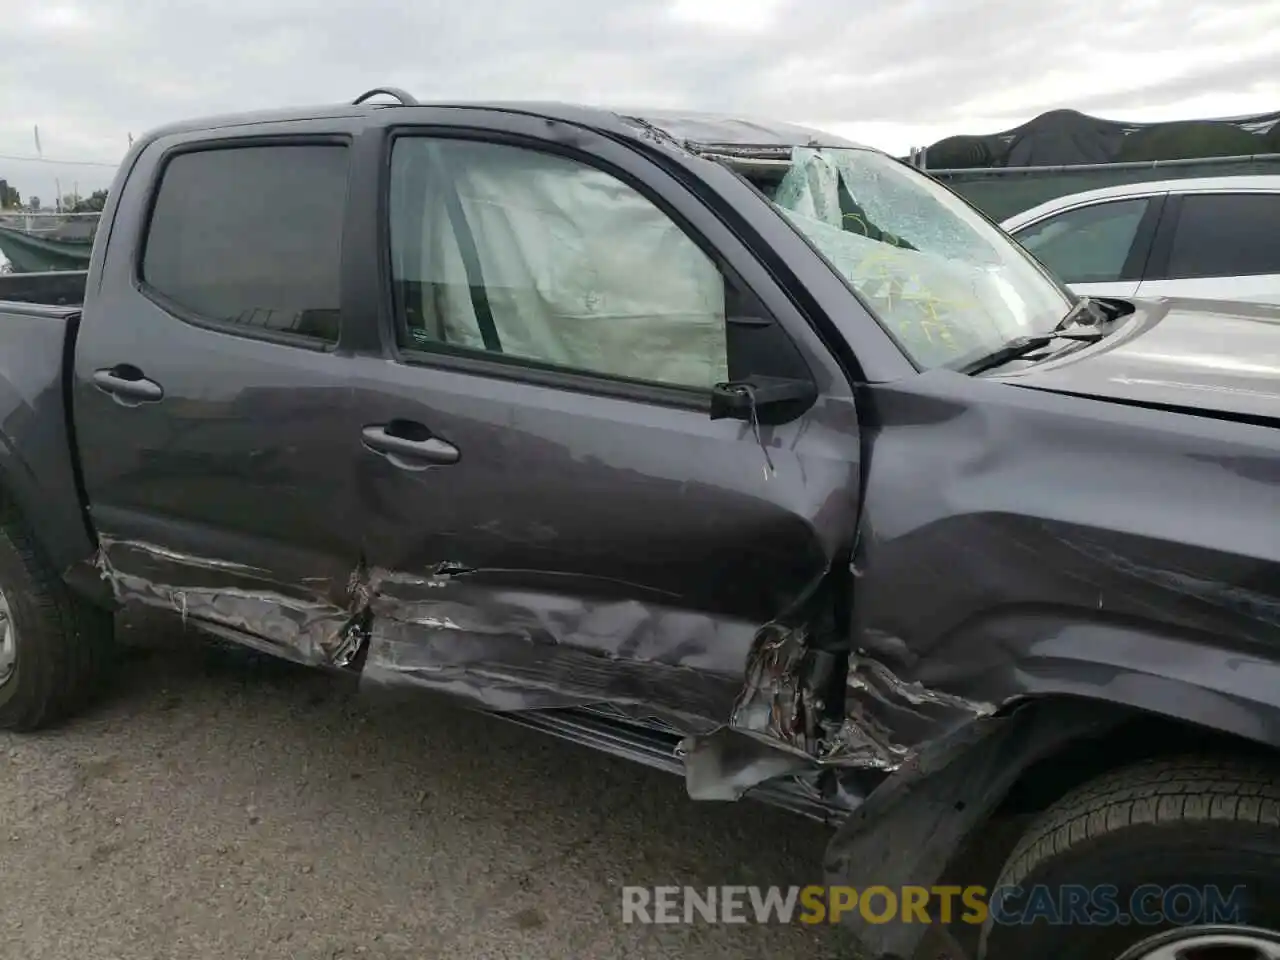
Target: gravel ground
point(216, 805)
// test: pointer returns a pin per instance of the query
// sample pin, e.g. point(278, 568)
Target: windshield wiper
point(1087, 313)
point(1084, 321)
point(1021, 346)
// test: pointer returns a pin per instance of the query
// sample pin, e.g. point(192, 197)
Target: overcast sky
point(893, 73)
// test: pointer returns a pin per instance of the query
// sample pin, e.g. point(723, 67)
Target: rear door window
point(1226, 235)
point(1087, 244)
point(249, 238)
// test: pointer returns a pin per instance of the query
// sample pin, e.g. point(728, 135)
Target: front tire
point(1193, 823)
point(54, 647)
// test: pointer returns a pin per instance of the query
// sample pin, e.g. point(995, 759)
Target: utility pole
point(35, 129)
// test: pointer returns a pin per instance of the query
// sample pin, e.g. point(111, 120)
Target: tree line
point(10, 199)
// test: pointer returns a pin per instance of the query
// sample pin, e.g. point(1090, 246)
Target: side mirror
point(766, 400)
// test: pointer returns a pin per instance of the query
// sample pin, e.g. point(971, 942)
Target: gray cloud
point(1230, 75)
point(90, 71)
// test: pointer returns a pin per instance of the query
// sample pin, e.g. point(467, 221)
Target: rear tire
point(55, 649)
point(1193, 822)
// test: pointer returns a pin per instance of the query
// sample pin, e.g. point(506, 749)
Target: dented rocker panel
point(245, 602)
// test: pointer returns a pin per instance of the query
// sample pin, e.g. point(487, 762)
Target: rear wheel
point(1167, 860)
point(54, 647)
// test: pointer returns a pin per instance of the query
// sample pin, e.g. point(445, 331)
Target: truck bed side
point(58, 288)
point(39, 475)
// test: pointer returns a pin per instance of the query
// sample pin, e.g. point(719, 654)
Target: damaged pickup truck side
point(733, 449)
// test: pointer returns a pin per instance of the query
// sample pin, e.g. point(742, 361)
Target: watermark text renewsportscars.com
point(1066, 905)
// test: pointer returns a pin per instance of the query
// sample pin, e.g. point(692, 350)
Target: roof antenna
point(406, 99)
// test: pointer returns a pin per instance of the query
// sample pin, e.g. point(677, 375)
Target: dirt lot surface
point(217, 805)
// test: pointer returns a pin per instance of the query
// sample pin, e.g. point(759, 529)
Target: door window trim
point(1135, 263)
point(185, 314)
point(525, 370)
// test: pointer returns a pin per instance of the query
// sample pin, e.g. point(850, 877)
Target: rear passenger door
point(1222, 245)
point(555, 517)
point(1098, 249)
point(211, 403)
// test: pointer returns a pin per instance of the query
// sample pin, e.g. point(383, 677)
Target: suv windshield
point(944, 281)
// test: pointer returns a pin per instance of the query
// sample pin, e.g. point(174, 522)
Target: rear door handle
point(127, 385)
point(409, 445)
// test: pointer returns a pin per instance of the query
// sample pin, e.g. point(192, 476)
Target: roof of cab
point(687, 128)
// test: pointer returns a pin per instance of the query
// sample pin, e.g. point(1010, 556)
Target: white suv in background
point(1216, 238)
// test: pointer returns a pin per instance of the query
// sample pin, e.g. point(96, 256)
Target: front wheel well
point(1143, 736)
point(1138, 737)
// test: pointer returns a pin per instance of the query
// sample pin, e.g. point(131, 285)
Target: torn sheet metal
point(512, 649)
point(460, 632)
point(222, 595)
point(725, 765)
point(776, 701)
point(791, 700)
point(886, 719)
point(455, 631)
point(782, 728)
point(728, 765)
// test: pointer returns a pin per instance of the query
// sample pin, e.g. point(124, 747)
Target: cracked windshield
point(944, 281)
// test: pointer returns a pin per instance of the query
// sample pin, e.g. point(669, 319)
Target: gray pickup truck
point(726, 447)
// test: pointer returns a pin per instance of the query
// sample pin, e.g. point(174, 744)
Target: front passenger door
point(557, 517)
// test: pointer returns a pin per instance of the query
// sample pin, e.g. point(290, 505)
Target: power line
point(69, 163)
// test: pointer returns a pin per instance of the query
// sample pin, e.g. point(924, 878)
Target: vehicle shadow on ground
point(391, 828)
